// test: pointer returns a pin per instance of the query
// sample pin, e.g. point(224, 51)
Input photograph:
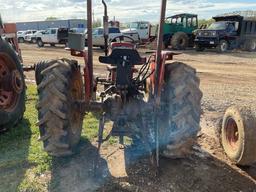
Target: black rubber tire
point(52, 44)
point(180, 41)
point(180, 110)
point(243, 121)
point(60, 121)
point(21, 40)
point(222, 47)
point(9, 119)
point(249, 45)
point(39, 67)
point(40, 43)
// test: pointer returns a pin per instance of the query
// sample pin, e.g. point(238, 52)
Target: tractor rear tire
point(180, 110)
point(12, 98)
point(238, 135)
point(39, 67)
point(180, 41)
point(60, 120)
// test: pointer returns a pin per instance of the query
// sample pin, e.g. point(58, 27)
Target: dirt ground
point(226, 79)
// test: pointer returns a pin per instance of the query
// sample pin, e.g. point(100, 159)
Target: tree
point(97, 23)
point(51, 18)
point(205, 22)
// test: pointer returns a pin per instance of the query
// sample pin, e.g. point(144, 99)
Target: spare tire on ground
point(180, 41)
point(12, 87)
point(238, 135)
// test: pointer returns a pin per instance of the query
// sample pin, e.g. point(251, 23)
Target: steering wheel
point(121, 39)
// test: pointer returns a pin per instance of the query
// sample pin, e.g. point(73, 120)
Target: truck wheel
point(21, 40)
point(52, 44)
point(238, 135)
point(40, 43)
point(180, 110)
point(12, 87)
point(60, 121)
point(179, 41)
point(249, 45)
point(222, 47)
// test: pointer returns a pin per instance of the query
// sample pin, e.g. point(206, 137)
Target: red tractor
point(152, 102)
point(12, 85)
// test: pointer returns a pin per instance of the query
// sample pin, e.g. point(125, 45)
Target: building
point(42, 25)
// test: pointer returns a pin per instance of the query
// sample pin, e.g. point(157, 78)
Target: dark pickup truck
point(227, 33)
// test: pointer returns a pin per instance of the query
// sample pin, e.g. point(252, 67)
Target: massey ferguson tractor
point(12, 85)
point(147, 99)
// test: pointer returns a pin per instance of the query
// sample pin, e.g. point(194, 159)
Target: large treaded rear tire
point(60, 121)
point(39, 67)
point(180, 110)
point(238, 135)
point(180, 41)
point(9, 118)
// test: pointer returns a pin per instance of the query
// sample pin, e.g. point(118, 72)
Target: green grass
point(24, 166)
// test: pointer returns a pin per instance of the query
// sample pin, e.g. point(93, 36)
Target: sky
point(123, 10)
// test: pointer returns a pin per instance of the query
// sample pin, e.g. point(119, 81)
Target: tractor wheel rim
point(232, 134)
point(17, 82)
point(11, 83)
point(76, 92)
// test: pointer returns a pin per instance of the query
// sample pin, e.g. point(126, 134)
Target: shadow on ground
point(14, 150)
point(77, 173)
point(199, 172)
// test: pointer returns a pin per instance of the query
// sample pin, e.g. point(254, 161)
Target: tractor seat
point(118, 54)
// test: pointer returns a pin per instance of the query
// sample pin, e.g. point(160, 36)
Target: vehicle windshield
point(218, 26)
point(134, 25)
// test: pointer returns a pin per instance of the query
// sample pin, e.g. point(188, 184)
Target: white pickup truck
point(53, 36)
point(31, 37)
point(142, 30)
point(21, 35)
point(98, 36)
